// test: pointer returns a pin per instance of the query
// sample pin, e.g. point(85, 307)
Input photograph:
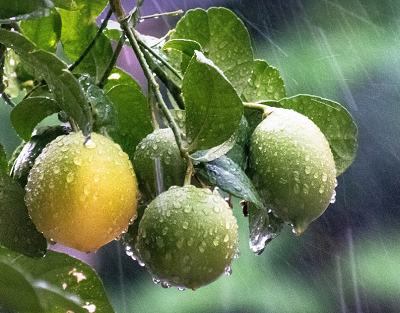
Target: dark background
point(348, 260)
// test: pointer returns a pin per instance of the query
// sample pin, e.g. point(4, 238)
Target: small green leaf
point(213, 108)
point(180, 52)
point(25, 157)
point(70, 5)
point(334, 121)
point(238, 153)
point(17, 10)
point(54, 283)
point(77, 33)
point(44, 32)
point(65, 87)
point(134, 117)
point(17, 231)
point(264, 84)
point(3, 160)
point(29, 112)
point(224, 39)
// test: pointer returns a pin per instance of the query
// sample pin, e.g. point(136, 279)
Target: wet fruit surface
point(82, 195)
point(187, 237)
point(292, 167)
point(158, 163)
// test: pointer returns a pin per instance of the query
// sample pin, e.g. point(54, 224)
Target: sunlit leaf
point(17, 231)
point(44, 32)
point(213, 108)
point(77, 33)
point(29, 112)
point(224, 39)
point(71, 5)
point(335, 122)
point(54, 283)
point(134, 117)
point(180, 52)
point(120, 77)
point(65, 87)
point(17, 10)
point(264, 84)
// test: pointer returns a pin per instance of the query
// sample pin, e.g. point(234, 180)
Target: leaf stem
point(165, 63)
point(92, 43)
point(155, 88)
point(258, 106)
point(189, 172)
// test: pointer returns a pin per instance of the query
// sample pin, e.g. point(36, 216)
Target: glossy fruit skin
point(158, 154)
point(187, 237)
point(82, 195)
point(292, 167)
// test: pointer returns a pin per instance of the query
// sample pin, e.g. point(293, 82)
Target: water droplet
point(165, 284)
point(78, 160)
point(228, 270)
point(333, 198)
point(70, 177)
point(86, 189)
point(296, 188)
point(185, 225)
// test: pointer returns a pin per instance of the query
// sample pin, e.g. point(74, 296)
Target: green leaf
point(334, 121)
point(54, 283)
point(77, 33)
point(3, 160)
point(120, 77)
point(70, 5)
point(44, 32)
point(180, 52)
point(264, 84)
point(29, 112)
point(228, 176)
point(17, 231)
point(65, 87)
point(26, 156)
point(224, 39)
point(17, 10)
point(215, 152)
point(213, 108)
point(134, 117)
point(238, 153)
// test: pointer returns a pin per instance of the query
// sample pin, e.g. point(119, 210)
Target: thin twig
point(162, 14)
point(92, 43)
point(113, 61)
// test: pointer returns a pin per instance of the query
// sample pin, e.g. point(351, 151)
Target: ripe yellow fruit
point(292, 167)
point(187, 237)
point(82, 195)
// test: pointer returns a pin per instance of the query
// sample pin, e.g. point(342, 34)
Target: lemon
point(187, 237)
point(82, 195)
point(292, 167)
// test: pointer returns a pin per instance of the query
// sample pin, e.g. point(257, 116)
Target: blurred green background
point(348, 260)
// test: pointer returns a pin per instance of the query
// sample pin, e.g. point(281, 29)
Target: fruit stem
point(189, 172)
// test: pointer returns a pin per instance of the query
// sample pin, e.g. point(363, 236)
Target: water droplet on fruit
point(78, 160)
point(165, 284)
point(228, 270)
point(185, 225)
point(333, 198)
point(70, 177)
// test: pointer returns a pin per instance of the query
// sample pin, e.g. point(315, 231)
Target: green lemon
point(292, 167)
point(82, 195)
point(158, 163)
point(187, 237)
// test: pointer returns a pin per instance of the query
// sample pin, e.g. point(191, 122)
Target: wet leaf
point(27, 155)
point(44, 32)
point(17, 231)
point(134, 117)
point(70, 5)
point(213, 108)
point(264, 83)
point(65, 87)
point(120, 77)
point(29, 112)
point(215, 152)
point(334, 121)
point(77, 33)
point(180, 52)
point(50, 284)
point(17, 10)
point(238, 153)
point(224, 39)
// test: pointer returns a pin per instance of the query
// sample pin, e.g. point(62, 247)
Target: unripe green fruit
point(158, 163)
point(82, 195)
point(292, 167)
point(187, 237)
